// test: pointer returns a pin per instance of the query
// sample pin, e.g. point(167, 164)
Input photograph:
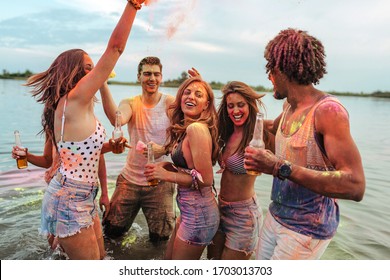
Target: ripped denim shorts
point(241, 222)
point(199, 215)
point(67, 207)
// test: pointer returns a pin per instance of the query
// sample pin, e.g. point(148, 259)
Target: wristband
point(135, 4)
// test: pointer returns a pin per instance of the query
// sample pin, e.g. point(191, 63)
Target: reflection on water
point(364, 231)
point(20, 208)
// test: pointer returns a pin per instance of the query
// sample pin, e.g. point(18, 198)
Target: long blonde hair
point(179, 124)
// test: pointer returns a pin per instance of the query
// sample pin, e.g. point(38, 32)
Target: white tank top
point(146, 124)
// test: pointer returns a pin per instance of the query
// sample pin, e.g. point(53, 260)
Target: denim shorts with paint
point(240, 222)
point(67, 207)
point(280, 243)
point(199, 215)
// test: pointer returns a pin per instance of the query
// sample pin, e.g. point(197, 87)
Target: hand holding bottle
point(118, 141)
point(153, 182)
point(118, 145)
point(257, 139)
point(19, 152)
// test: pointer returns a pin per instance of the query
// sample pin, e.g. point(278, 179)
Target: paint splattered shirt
point(146, 124)
point(80, 159)
point(293, 205)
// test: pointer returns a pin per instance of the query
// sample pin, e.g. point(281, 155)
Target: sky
point(223, 39)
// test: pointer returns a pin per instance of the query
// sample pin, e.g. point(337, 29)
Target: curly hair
point(179, 124)
point(49, 86)
point(298, 55)
point(226, 125)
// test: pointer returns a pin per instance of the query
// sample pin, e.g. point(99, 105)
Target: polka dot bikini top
point(80, 159)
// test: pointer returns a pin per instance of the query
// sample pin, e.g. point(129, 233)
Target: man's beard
point(278, 96)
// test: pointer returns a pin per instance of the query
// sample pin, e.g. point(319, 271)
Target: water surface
point(364, 231)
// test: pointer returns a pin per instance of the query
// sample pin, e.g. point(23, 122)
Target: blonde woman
point(194, 150)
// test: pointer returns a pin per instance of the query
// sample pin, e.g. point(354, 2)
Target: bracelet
point(194, 184)
point(135, 4)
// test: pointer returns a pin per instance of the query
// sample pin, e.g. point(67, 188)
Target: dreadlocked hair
point(179, 124)
point(49, 86)
point(298, 55)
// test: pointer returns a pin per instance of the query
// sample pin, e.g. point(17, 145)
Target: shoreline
point(218, 86)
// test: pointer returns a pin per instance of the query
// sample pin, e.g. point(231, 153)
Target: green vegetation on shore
point(15, 76)
point(175, 83)
point(377, 93)
point(184, 75)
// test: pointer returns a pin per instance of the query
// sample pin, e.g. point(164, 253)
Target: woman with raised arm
point(67, 90)
point(50, 160)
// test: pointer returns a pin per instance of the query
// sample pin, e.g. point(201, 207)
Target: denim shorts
point(67, 207)
point(199, 215)
point(240, 222)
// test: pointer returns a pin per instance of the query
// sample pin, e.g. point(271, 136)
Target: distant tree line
point(379, 93)
point(17, 75)
point(184, 75)
point(214, 85)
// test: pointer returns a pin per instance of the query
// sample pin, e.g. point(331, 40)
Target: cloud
point(225, 39)
point(205, 47)
point(93, 6)
point(54, 27)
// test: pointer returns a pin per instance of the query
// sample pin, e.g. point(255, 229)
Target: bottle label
point(257, 143)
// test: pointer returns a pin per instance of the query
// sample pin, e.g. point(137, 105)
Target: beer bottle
point(257, 139)
point(21, 162)
point(117, 133)
point(153, 182)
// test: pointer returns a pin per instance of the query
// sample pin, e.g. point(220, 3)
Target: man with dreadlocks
point(316, 160)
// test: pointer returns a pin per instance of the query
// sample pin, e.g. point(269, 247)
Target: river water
point(363, 234)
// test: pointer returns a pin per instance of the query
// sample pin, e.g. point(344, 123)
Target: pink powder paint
point(179, 18)
point(149, 2)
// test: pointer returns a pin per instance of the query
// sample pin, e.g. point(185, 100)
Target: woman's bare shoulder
point(198, 131)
